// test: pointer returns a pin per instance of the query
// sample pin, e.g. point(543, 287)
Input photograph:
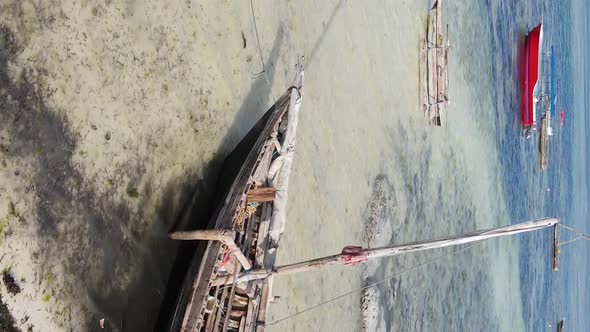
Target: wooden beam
point(261, 195)
point(223, 235)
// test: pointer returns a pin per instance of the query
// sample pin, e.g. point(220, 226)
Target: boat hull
point(531, 74)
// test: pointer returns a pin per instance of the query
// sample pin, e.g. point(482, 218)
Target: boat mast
point(354, 255)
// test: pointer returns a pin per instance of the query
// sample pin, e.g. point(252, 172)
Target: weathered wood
point(262, 240)
point(230, 301)
point(256, 162)
point(264, 301)
point(252, 309)
point(223, 235)
point(556, 247)
point(219, 312)
point(261, 174)
point(259, 195)
point(242, 324)
point(434, 67)
point(196, 300)
point(366, 254)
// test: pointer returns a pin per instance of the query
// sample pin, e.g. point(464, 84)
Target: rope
point(373, 284)
point(580, 234)
point(561, 244)
point(585, 236)
point(260, 50)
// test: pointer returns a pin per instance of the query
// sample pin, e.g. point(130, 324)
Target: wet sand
point(116, 115)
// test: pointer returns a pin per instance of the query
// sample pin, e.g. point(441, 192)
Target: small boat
point(544, 142)
point(434, 65)
point(244, 231)
point(562, 117)
point(561, 326)
point(533, 47)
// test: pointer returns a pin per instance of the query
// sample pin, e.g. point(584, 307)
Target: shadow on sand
point(117, 261)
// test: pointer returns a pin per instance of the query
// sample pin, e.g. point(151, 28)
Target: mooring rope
point(374, 283)
point(263, 72)
point(580, 234)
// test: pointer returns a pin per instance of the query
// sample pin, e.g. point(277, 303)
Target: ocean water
point(370, 171)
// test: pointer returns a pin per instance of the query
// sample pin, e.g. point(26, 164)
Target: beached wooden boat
point(245, 229)
point(434, 68)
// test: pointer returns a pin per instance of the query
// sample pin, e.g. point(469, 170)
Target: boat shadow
point(115, 260)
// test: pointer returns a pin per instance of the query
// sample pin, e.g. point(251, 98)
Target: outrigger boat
point(533, 46)
point(434, 67)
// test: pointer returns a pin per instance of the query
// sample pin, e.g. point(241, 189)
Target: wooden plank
point(223, 235)
point(262, 241)
point(242, 324)
point(259, 195)
point(264, 301)
point(196, 300)
point(261, 174)
point(252, 309)
point(231, 300)
point(215, 326)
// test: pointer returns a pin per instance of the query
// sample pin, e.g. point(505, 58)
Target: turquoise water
point(461, 291)
point(575, 267)
point(368, 162)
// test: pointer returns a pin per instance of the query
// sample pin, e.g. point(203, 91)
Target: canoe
point(245, 229)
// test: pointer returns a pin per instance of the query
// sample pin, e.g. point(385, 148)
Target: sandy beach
point(115, 117)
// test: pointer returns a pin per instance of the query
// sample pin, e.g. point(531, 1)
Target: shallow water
point(367, 155)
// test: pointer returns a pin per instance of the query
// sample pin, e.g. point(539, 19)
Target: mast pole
point(355, 255)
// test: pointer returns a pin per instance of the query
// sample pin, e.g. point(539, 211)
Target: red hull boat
point(531, 75)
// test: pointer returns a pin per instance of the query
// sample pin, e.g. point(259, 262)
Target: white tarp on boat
point(280, 168)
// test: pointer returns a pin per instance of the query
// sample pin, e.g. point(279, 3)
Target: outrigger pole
point(354, 255)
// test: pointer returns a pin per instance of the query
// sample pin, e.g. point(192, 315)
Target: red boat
point(562, 118)
point(531, 76)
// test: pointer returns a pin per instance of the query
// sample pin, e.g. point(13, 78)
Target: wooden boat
point(556, 250)
point(544, 143)
point(533, 45)
point(245, 229)
point(434, 74)
point(561, 326)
